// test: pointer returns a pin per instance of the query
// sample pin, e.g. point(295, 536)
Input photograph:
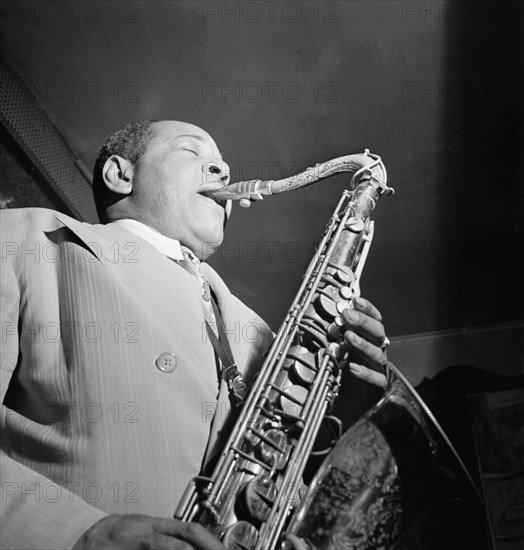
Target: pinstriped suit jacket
point(90, 423)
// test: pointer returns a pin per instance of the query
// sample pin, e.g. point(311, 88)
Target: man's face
point(171, 178)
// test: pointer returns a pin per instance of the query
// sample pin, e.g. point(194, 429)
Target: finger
point(157, 541)
point(365, 306)
point(366, 326)
point(197, 535)
point(368, 375)
point(371, 353)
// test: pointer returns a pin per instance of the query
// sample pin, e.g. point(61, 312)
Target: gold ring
point(385, 344)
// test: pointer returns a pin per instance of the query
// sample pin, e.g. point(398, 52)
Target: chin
point(209, 247)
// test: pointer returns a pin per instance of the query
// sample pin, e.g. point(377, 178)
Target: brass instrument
point(255, 499)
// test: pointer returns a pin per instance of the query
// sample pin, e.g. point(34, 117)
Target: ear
point(118, 175)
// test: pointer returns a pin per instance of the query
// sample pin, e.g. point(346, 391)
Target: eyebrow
point(200, 138)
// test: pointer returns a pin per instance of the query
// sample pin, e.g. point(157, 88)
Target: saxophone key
point(240, 535)
point(335, 350)
point(292, 399)
point(343, 274)
point(326, 302)
point(292, 493)
point(304, 373)
point(333, 332)
point(301, 362)
point(258, 496)
point(355, 225)
point(273, 447)
point(345, 292)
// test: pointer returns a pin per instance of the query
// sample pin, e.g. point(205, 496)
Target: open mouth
point(209, 195)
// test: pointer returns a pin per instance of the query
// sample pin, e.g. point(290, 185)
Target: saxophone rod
point(253, 190)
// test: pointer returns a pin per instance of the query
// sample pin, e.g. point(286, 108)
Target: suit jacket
point(111, 398)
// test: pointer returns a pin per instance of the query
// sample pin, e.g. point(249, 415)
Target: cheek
point(173, 195)
point(181, 186)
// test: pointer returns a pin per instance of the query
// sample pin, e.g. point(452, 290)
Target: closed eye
point(190, 150)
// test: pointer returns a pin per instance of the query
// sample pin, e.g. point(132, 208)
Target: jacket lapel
point(149, 276)
point(87, 235)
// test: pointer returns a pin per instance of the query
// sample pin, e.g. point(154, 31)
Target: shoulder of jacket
point(30, 218)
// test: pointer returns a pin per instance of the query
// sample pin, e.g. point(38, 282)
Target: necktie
point(216, 329)
point(192, 264)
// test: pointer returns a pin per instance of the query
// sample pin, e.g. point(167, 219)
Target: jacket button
point(166, 362)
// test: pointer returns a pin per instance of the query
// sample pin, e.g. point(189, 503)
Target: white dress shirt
point(168, 247)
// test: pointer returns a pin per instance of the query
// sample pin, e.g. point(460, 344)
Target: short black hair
point(130, 142)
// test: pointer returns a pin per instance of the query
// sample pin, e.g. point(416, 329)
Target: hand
point(365, 339)
point(138, 532)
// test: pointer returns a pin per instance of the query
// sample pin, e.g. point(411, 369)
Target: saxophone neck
point(366, 167)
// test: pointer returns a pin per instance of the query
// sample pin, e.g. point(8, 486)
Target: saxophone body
point(255, 498)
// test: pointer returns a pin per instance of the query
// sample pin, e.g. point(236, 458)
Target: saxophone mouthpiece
point(244, 191)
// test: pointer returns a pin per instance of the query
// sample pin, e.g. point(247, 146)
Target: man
point(111, 396)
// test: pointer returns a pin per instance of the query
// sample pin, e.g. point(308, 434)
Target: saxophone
point(255, 499)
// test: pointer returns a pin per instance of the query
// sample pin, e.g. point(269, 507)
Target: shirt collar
point(165, 245)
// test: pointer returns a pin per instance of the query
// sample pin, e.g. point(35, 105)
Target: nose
point(216, 170)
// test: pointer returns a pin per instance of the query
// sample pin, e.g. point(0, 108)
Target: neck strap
point(235, 380)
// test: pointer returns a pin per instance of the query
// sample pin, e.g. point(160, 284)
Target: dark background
point(435, 88)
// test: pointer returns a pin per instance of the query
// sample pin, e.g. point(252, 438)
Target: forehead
point(170, 129)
